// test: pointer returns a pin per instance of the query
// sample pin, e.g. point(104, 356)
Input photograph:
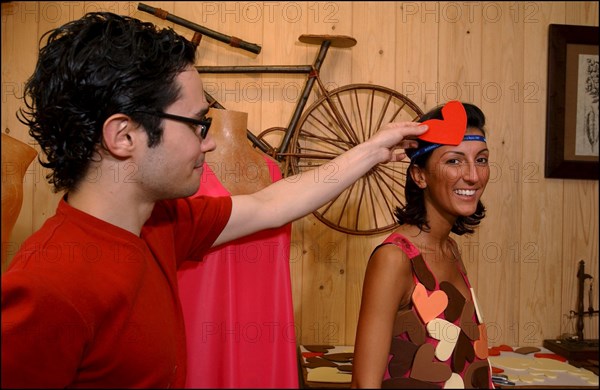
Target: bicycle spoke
point(328, 206)
point(343, 126)
point(343, 110)
point(307, 135)
point(383, 111)
point(374, 211)
point(398, 111)
point(379, 182)
point(402, 185)
point(371, 108)
point(358, 110)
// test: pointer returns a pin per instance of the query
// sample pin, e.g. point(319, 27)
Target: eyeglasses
point(201, 124)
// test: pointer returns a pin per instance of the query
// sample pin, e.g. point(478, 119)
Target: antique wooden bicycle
point(336, 121)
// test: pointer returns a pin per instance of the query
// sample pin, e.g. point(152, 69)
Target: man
point(117, 107)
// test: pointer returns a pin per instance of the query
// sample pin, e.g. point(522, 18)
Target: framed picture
point(572, 107)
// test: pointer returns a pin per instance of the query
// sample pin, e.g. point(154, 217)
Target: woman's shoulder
point(403, 238)
point(393, 255)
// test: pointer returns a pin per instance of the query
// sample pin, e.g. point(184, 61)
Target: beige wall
point(522, 261)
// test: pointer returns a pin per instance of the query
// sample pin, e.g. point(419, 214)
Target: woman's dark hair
point(413, 212)
point(90, 69)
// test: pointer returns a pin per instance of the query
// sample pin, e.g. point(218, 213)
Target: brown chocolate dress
point(440, 340)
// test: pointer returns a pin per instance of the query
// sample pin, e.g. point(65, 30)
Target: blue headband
point(431, 147)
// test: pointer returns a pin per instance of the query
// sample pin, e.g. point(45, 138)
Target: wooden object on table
point(574, 350)
point(578, 349)
point(239, 167)
point(16, 157)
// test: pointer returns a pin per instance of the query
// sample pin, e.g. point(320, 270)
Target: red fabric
point(238, 309)
point(88, 304)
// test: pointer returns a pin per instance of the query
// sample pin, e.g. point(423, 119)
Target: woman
point(419, 324)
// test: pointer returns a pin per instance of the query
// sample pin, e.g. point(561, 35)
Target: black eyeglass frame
point(204, 123)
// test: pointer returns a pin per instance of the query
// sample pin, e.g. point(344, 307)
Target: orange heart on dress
point(481, 346)
point(429, 307)
point(451, 129)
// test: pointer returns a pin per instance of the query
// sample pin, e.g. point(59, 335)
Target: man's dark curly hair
point(90, 69)
point(413, 212)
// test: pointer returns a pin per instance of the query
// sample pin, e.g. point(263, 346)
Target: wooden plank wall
point(523, 259)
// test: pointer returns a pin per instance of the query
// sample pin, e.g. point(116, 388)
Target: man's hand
point(396, 136)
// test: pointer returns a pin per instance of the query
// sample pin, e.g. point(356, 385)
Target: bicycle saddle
point(336, 40)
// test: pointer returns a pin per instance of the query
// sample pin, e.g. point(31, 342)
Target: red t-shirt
point(88, 304)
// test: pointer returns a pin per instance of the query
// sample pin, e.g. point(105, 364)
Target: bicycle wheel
point(337, 122)
point(273, 136)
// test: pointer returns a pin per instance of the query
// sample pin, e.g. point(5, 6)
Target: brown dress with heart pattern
point(440, 341)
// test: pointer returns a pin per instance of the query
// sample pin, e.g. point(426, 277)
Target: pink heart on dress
point(429, 307)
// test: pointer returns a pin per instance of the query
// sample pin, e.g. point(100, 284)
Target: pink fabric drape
point(238, 309)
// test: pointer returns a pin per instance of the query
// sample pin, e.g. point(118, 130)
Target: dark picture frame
point(572, 103)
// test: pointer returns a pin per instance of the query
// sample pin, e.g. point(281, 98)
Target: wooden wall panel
point(323, 266)
point(490, 53)
point(540, 252)
point(580, 229)
point(374, 63)
point(502, 66)
point(337, 71)
point(417, 48)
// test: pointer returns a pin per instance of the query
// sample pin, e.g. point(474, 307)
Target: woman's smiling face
point(456, 176)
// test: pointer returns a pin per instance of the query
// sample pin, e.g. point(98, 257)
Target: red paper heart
point(550, 356)
point(451, 129)
point(312, 354)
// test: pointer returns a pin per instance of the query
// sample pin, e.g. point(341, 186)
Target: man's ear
point(120, 135)
point(418, 176)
